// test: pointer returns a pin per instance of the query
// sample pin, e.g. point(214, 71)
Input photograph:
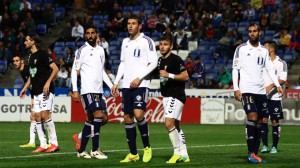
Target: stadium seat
point(80, 43)
point(183, 54)
point(202, 48)
point(41, 29)
point(98, 17)
point(3, 66)
point(208, 66)
point(279, 53)
point(18, 83)
point(127, 8)
point(192, 45)
point(115, 52)
point(155, 35)
point(208, 61)
point(123, 34)
point(58, 49)
point(71, 44)
point(174, 52)
point(218, 67)
point(139, 8)
point(117, 62)
point(220, 61)
point(114, 43)
point(243, 24)
point(158, 54)
point(59, 12)
point(289, 58)
point(59, 44)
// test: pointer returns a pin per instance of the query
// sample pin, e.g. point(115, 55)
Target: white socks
point(32, 131)
point(80, 135)
point(183, 149)
point(50, 127)
point(174, 137)
point(41, 134)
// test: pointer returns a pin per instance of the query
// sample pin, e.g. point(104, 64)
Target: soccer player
point(89, 63)
point(19, 64)
point(250, 59)
point(274, 99)
point(138, 60)
point(173, 76)
point(42, 71)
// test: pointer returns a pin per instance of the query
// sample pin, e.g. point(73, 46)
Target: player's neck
point(167, 55)
point(33, 49)
point(135, 36)
point(272, 56)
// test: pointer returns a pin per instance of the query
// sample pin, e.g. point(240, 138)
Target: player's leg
point(264, 135)
point(140, 97)
point(32, 128)
point(129, 126)
point(276, 129)
point(98, 106)
point(47, 107)
point(38, 119)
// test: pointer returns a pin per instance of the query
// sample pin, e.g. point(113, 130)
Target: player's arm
point(52, 76)
point(182, 76)
point(120, 72)
point(25, 87)
point(74, 76)
point(235, 75)
point(269, 67)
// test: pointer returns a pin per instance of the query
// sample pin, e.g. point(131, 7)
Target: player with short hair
point(173, 76)
point(250, 59)
point(19, 64)
point(89, 63)
point(274, 99)
point(138, 60)
point(42, 71)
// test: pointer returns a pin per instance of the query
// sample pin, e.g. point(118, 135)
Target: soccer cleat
point(264, 149)
point(174, 159)
point(273, 150)
point(52, 148)
point(259, 159)
point(98, 155)
point(28, 145)
point(130, 158)
point(83, 154)
point(252, 158)
point(185, 159)
point(39, 150)
point(77, 141)
point(147, 154)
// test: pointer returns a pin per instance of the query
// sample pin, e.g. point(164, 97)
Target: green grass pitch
point(208, 146)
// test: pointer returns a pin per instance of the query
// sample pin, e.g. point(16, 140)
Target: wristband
point(172, 76)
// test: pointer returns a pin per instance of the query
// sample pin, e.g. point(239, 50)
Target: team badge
point(265, 104)
point(276, 110)
point(138, 98)
point(236, 62)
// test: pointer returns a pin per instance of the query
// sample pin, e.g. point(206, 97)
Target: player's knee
point(128, 119)
point(265, 120)
point(275, 122)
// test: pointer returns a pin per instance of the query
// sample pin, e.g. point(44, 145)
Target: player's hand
point(280, 91)
point(46, 88)
point(75, 96)
point(268, 88)
point(23, 93)
point(114, 90)
point(163, 73)
point(135, 83)
point(238, 95)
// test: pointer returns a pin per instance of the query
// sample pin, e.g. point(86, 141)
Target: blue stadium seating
point(289, 58)
point(71, 44)
point(79, 44)
point(59, 44)
point(59, 12)
point(3, 66)
point(18, 83)
point(139, 8)
point(114, 43)
point(41, 29)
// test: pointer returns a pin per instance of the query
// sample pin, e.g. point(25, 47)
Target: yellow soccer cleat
point(147, 154)
point(28, 145)
point(185, 159)
point(131, 158)
point(174, 159)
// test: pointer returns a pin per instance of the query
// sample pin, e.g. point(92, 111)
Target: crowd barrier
point(203, 106)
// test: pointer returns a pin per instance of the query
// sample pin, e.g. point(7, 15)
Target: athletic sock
point(41, 134)
point(250, 135)
point(51, 131)
point(86, 133)
point(131, 137)
point(144, 130)
point(174, 137)
point(276, 134)
point(95, 139)
point(183, 148)
point(257, 137)
point(32, 131)
point(264, 134)
point(80, 135)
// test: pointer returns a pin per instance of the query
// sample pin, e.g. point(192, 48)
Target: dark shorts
point(134, 99)
point(92, 102)
point(275, 109)
point(255, 103)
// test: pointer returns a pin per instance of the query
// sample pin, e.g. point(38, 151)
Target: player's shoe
point(147, 154)
point(185, 159)
point(174, 159)
point(49, 145)
point(259, 159)
point(52, 148)
point(98, 154)
point(83, 154)
point(252, 158)
point(39, 150)
point(28, 145)
point(130, 158)
point(264, 149)
point(77, 141)
point(273, 150)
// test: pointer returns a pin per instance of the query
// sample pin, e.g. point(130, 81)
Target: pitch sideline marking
point(114, 150)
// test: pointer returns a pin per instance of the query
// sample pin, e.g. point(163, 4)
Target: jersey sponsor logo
point(32, 72)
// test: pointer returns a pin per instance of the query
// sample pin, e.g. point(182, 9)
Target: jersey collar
point(259, 47)
point(139, 37)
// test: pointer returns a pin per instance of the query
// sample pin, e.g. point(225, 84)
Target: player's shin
point(264, 133)
point(95, 139)
point(257, 137)
point(250, 134)
point(174, 137)
point(32, 131)
point(50, 127)
point(86, 133)
point(131, 137)
point(144, 130)
point(275, 134)
point(183, 148)
point(41, 134)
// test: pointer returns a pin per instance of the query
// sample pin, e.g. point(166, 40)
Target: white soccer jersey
point(280, 68)
point(90, 61)
point(250, 61)
point(138, 59)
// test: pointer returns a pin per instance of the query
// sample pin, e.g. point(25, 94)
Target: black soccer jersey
point(40, 71)
point(25, 73)
point(170, 87)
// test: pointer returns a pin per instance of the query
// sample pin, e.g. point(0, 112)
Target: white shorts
point(172, 108)
point(43, 103)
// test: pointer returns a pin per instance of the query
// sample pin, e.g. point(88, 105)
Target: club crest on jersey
point(236, 62)
point(34, 61)
point(265, 104)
